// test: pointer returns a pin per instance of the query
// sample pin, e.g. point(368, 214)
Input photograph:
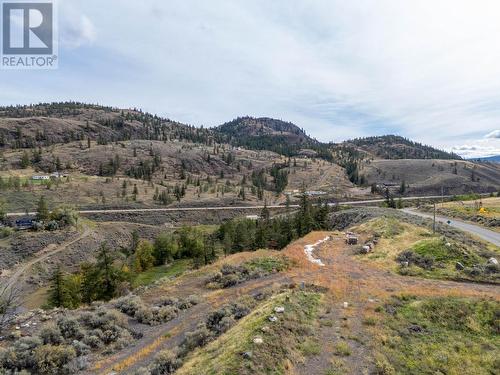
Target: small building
point(58, 175)
point(313, 193)
point(253, 217)
point(40, 178)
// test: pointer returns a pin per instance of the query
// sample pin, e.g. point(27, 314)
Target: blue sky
point(428, 70)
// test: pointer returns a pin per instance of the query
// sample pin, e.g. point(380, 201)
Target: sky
point(428, 70)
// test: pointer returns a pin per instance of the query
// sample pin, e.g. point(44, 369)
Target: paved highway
point(481, 232)
point(224, 208)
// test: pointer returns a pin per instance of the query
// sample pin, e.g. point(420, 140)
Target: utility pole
point(434, 224)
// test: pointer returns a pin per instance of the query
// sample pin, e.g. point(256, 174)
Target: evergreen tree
point(42, 212)
point(56, 293)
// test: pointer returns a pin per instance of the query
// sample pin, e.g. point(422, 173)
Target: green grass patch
point(342, 349)
point(437, 249)
point(445, 335)
point(268, 264)
point(175, 269)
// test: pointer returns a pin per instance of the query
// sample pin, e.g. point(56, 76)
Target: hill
point(431, 177)
point(46, 124)
point(396, 147)
point(270, 134)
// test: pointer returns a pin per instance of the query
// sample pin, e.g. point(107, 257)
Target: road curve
point(25, 267)
point(224, 208)
point(476, 230)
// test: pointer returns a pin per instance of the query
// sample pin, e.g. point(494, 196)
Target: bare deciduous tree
point(9, 302)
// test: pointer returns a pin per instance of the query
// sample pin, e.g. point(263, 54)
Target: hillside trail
point(42, 255)
point(361, 285)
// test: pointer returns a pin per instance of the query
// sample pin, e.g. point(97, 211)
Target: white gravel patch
point(309, 252)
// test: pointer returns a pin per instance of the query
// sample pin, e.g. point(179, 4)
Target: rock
point(273, 319)
point(405, 264)
point(258, 340)
point(247, 355)
point(279, 309)
point(459, 266)
point(414, 328)
point(493, 261)
point(365, 249)
point(265, 329)
point(448, 244)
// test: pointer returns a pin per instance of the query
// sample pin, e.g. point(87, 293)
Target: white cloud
point(77, 29)
point(493, 134)
point(427, 69)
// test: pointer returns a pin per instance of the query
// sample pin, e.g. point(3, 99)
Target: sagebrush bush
point(129, 304)
point(195, 339)
point(52, 359)
point(165, 363)
point(51, 334)
point(69, 328)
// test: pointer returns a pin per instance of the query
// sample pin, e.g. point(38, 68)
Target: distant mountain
point(270, 134)
point(491, 159)
point(396, 147)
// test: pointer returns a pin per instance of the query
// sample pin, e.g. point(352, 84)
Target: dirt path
point(44, 254)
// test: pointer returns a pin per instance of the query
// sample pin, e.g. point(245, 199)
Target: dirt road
point(44, 254)
point(225, 208)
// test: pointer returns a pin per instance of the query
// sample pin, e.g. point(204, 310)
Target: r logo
point(27, 28)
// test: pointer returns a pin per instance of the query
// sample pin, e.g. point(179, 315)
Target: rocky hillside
point(270, 134)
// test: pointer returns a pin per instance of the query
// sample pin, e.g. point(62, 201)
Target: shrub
point(50, 334)
point(5, 232)
point(80, 348)
point(21, 355)
point(52, 360)
point(165, 363)
point(93, 341)
point(167, 313)
point(129, 304)
point(195, 339)
point(382, 367)
point(145, 315)
point(214, 319)
point(422, 261)
point(69, 328)
point(342, 349)
point(52, 225)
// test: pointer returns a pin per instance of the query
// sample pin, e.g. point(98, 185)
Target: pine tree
point(25, 160)
point(56, 294)
point(42, 209)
